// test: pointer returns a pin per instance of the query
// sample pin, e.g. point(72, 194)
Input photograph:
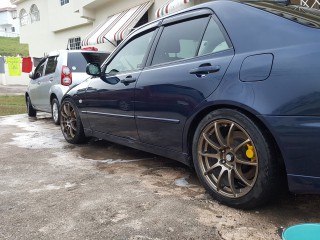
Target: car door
point(35, 83)
point(109, 100)
point(189, 61)
point(46, 83)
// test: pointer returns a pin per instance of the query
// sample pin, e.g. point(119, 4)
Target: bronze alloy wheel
point(227, 158)
point(68, 121)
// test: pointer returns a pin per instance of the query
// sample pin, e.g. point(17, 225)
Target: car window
point(39, 71)
point(77, 61)
point(131, 56)
point(180, 41)
point(51, 65)
point(213, 40)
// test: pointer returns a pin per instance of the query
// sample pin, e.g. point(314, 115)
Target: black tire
point(71, 125)
point(55, 111)
point(234, 160)
point(30, 110)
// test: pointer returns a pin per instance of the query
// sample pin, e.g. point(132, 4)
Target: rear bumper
point(303, 184)
point(299, 141)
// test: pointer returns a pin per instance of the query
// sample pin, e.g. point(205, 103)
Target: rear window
point(303, 15)
point(77, 61)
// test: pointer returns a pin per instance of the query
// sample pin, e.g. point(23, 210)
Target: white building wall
point(6, 24)
point(49, 33)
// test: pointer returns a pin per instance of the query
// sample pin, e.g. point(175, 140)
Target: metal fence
point(310, 3)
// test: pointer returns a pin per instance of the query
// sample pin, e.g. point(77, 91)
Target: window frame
point(183, 17)
point(46, 65)
point(224, 33)
point(34, 13)
point(76, 42)
point(154, 27)
point(23, 17)
point(178, 21)
point(44, 62)
point(64, 2)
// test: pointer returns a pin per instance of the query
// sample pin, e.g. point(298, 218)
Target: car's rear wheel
point(234, 160)
point(71, 124)
point(55, 111)
point(31, 111)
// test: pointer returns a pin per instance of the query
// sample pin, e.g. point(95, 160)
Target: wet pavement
point(50, 189)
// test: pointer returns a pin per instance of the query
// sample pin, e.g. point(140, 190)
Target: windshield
point(303, 15)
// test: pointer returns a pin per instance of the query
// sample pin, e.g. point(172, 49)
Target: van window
point(77, 61)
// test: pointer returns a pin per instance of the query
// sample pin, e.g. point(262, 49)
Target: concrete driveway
point(50, 189)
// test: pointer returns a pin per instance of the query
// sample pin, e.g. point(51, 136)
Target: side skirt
point(178, 156)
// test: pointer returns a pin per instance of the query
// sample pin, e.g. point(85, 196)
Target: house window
point(23, 15)
point(34, 13)
point(75, 43)
point(13, 29)
point(63, 2)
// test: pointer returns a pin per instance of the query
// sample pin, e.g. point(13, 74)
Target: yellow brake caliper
point(250, 153)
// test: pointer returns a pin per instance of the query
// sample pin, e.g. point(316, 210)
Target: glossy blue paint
point(271, 72)
point(256, 67)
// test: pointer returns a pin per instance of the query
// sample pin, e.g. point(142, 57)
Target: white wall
point(48, 34)
point(6, 24)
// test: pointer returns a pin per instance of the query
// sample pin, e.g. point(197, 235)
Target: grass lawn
point(12, 47)
point(10, 105)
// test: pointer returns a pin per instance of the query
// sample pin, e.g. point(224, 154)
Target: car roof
point(58, 52)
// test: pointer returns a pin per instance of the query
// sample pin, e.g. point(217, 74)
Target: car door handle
point(50, 79)
point(204, 70)
point(128, 80)
point(38, 82)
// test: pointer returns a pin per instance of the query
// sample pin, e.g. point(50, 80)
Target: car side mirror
point(31, 75)
point(93, 69)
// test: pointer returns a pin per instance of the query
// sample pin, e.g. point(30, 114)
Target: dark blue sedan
point(229, 88)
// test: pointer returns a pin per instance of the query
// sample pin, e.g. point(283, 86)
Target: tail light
point(66, 76)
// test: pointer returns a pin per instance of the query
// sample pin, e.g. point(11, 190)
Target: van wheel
point(55, 111)
point(30, 110)
point(234, 160)
point(71, 125)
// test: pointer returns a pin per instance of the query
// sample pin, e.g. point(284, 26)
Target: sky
point(5, 3)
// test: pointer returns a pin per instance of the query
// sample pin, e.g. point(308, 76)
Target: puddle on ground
point(188, 181)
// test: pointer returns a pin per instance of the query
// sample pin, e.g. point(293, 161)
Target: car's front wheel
point(234, 160)
point(55, 111)
point(71, 125)
point(31, 111)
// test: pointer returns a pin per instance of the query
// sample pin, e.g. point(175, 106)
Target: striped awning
point(171, 7)
point(116, 27)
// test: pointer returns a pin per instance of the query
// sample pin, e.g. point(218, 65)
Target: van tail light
point(66, 76)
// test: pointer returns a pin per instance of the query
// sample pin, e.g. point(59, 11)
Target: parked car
point(229, 88)
point(54, 75)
